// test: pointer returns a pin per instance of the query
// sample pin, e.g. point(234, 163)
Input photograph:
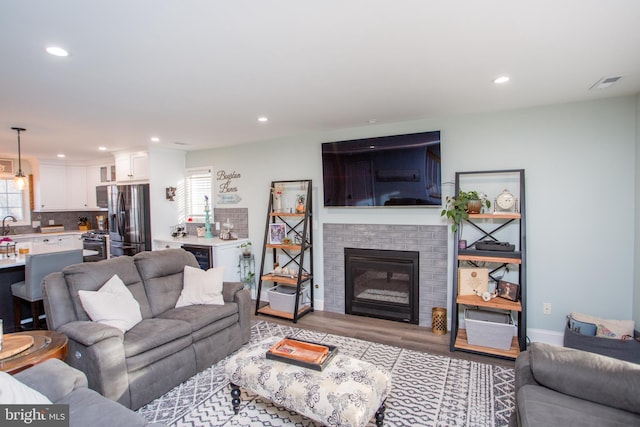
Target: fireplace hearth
point(382, 283)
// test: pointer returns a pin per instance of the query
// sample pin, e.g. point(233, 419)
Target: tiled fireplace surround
point(429, 240)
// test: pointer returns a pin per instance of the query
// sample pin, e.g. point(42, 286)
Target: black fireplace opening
point(382, 283)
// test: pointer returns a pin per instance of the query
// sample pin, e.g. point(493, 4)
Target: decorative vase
point(300, 204)
point(474, 206)
point(278, 207)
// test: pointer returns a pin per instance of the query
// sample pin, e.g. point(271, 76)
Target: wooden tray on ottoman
point(306, 354)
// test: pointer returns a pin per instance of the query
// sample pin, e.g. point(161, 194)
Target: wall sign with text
point(226, 183)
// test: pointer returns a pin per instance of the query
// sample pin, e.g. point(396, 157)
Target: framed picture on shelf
point(277, 233)
point(508, 290)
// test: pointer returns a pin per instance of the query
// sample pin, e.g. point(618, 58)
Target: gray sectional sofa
point(167, 347)
point(558, 386)
point(62, 384)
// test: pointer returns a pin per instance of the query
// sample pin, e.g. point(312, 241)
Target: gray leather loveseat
point(558, 386)
point(62, 384)
point(167, 347)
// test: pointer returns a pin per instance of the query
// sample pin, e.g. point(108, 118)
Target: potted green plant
point(246, 249)
point(458, 208)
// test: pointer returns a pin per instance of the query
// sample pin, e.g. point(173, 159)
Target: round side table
point(46, 345)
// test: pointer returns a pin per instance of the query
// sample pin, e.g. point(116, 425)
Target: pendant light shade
point(19, 181)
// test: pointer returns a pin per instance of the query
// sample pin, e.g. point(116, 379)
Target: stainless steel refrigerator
point(129, 219)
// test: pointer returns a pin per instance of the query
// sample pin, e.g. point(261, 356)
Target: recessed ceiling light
point(501, 79)
point(102, 148)
point(61, 155)
point(57, 51)
point(263, 119)
point(372, 121)
point(155, 139)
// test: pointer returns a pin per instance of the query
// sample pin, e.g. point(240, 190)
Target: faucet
point(5, 229)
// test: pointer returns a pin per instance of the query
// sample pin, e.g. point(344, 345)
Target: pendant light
point(19, 181)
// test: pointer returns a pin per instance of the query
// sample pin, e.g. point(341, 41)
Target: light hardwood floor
point(388, 332)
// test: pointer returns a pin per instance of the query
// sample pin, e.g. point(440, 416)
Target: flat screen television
point(397, 170)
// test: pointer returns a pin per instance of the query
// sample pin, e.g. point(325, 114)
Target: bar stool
point(37, 266)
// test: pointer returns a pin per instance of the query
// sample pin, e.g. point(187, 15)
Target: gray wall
point(580, 170)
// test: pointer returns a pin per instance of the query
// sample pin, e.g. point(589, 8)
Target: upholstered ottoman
point(347, 392)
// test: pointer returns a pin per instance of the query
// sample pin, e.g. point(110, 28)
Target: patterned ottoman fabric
point(347, 392)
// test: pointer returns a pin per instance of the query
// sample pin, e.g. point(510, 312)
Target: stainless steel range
point(96, 240)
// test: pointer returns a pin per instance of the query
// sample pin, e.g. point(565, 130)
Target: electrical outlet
point(546, 308)
point(51, 222)
point(35, 224)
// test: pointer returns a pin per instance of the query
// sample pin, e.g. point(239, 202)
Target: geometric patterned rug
point(428, 390)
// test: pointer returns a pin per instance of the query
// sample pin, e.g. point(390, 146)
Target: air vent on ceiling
point(605, 82)
point(180, 143)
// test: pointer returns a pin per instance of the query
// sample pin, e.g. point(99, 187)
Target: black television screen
point(397, 170)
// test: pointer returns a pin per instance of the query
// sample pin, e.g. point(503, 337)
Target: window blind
point(198, 185)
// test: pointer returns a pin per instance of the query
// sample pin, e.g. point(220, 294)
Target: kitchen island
point(12, 271)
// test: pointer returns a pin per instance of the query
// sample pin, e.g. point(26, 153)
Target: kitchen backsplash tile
point(69, 219)
point(239, 217)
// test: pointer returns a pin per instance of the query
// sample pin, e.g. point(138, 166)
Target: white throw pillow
point(13, 392)
point(201, 287)
point(607, 328)
point(113, 305)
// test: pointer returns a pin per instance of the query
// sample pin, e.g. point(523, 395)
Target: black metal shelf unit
point(487, 225)
point(295, 247)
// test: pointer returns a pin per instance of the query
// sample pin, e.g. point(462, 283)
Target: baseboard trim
point(547, 337)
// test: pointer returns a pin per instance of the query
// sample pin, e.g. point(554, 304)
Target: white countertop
point(18, 260)
point(18, 237)
point(194, 240)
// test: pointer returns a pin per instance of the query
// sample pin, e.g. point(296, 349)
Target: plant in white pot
point(246, 249)
point(458, 208)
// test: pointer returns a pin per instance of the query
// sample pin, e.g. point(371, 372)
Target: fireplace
point(382, 283)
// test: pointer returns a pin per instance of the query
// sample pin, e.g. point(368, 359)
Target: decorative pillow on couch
point(112, 304)
point(607, 328)
point(201, 287)
point(13, 392)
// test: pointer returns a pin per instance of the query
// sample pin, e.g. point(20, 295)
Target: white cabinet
point(46, 241)
point(53, 187)
point(93, 180)
point(70, 241)
point(132, 166)
point(54, 241)
point(62, 187)
point(226, 255)
point(107, 173)
point(77, 188)
point(166, 244)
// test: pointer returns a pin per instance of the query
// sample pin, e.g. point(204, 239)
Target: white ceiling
point(200, 72)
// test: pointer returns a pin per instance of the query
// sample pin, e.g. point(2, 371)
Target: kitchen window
point(12, 200)
point(198, 185)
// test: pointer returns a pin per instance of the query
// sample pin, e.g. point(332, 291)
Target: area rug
point(428, 390)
